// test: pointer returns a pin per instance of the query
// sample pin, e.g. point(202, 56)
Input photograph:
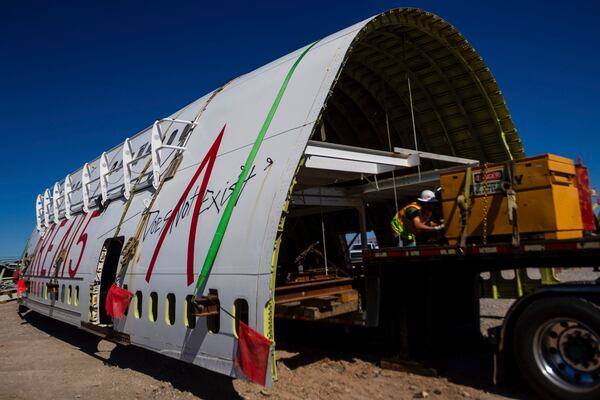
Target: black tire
point(557, 348)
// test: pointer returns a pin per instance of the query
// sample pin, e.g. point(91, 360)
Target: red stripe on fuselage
point(208, 162)
point(83, 240)
point(60, 245)
point(35, 253)
point(64, 263)
point(38, 257)
point(51, 246)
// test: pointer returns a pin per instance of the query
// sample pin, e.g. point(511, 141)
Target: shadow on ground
point(461, 365)
point(464, 364)
point(182, 376)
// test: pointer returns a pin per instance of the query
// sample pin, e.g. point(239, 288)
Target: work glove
point(439, 227)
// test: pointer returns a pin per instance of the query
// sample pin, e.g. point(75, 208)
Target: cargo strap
point(61, 257)
point(486, 209)
point(511, 199)
point(53, 282)
point(131, 251)
point(463, 202)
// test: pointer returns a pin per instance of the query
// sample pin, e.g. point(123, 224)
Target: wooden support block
point(315, 309)
point(351, 295)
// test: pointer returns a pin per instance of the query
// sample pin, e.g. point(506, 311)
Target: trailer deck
point(583, 252)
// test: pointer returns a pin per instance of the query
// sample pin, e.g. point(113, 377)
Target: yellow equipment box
point(546, 197)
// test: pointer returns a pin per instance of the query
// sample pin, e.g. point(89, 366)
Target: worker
point(415, 217)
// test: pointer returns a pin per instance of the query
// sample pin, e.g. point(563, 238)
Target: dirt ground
point(43, 358)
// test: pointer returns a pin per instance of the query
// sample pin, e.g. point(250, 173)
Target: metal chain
point(485, 203)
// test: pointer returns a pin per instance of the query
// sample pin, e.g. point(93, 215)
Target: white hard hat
point(427, 196)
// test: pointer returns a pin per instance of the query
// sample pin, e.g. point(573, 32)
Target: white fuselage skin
point(229, 122)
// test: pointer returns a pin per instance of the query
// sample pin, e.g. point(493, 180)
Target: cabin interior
point(405, 106)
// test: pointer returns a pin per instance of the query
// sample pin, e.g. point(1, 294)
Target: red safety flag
point(117, 301)
point(585, 197)
point(253, 354)
point(21, 286)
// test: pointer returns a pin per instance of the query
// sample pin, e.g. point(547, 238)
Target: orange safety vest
point(404, 227)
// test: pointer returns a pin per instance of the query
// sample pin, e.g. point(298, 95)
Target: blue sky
point(76, 78)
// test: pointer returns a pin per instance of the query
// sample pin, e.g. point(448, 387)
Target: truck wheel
point(557, 348)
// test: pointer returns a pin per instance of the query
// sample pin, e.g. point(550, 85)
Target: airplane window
point(189, 320)
point(170, 309)
point(138, 302)
point(69, 293)
point(240, 310)
point(153, 312)
point(45, 291)
point(62, 294)
point(213, 322)
point(76, 300)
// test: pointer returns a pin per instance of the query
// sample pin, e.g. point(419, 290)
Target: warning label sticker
point(491, 183)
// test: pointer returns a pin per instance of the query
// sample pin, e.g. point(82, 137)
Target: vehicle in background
point(356, 251)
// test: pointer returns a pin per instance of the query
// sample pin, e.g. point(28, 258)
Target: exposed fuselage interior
point(412, 99)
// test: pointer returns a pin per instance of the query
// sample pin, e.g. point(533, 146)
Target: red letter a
point(208, 163)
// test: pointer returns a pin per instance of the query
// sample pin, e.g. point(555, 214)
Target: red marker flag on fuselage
point(117, 301)
point(253, 354)
point(21, 286)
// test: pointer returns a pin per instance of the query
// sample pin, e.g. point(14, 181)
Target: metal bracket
point(435, 156)
point(336, 157)
point(39, 212)
point(47, 207)
point(85, 191)
point(127, 160)
point(55, 198)
point(205, 306)
point(157, 145)
point(104, 177)
point(68, 188)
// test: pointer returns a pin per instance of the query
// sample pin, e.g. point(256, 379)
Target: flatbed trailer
point(428, 297)
point(493, 257)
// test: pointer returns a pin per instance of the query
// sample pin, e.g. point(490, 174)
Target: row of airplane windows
point(70, 294)
point(240, 311)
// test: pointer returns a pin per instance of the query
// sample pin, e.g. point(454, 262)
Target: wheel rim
point(567, 352)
